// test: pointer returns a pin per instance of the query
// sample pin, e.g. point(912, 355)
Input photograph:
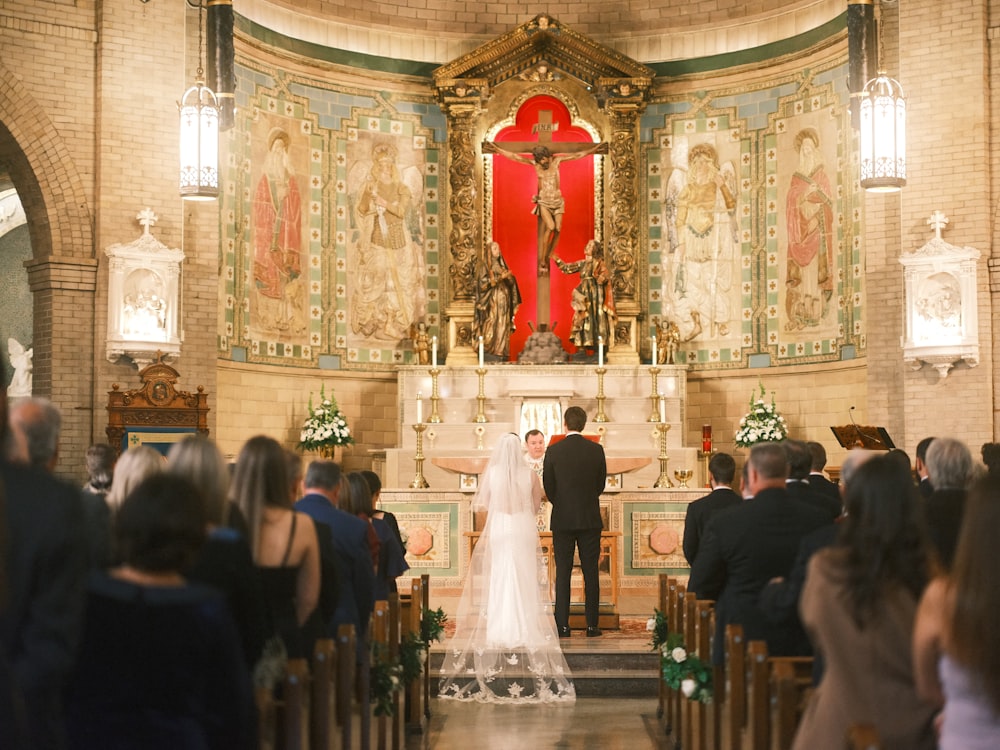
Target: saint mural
point(277, 241)
point(703, 238)
point(388, 274)
point(809, 216)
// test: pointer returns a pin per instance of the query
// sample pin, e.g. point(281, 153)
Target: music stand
point(863, 436)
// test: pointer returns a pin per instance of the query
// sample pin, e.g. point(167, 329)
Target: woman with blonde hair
point(282, 541)
point(134, 465)
point(225, 561)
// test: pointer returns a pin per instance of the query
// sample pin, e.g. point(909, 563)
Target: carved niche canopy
point(157, 406)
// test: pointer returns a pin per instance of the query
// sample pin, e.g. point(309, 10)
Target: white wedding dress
point(506, 648)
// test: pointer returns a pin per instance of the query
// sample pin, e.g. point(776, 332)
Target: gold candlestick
point(435, 418)
point(601, 416)
point(707, 456)
point(419, 482)
point(655, 397)
point(664, 478)
point(481, 398)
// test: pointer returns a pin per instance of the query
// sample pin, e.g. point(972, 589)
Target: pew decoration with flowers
point(681, 670)
point(388, 676)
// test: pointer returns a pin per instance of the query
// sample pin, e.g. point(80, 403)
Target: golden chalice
point(682, 476)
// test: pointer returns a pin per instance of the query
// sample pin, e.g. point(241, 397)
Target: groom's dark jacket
point(574, 474)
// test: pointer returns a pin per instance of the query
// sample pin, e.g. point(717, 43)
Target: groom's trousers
point(564, 544)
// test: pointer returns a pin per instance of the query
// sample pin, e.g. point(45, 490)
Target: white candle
point(420, 407)
point(480, 351)
point(600, 351)
point(434, 352)
point(663, 408)
point(654, 351)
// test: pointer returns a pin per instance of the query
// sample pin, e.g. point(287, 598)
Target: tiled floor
point(588, 724)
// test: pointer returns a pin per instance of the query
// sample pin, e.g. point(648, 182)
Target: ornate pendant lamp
point(883, 131)
point(199, 136)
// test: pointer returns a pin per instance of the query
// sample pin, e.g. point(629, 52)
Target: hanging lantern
point(199, 143)
point(883, 135)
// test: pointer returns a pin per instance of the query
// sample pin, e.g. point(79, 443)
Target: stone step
point(614, 669)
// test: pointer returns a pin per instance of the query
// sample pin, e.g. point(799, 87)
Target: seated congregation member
point(225, 561)
point(44, 557)
point(780, 598)
point(722, 471)
point(748, 545)
point(349, 534)
point(375, 485)
point(858, 606)
point(100, 460)
point(817, 478)
point(956, 653)
point(798, 486)
point(949, 466)
point(391, 563)
point(159, 663)
point(282, 541)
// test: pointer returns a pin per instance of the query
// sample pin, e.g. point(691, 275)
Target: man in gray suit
point(573, 474)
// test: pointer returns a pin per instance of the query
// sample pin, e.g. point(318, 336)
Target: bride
point(505, 648)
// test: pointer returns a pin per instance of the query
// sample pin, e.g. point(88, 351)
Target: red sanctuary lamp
point(706, 449)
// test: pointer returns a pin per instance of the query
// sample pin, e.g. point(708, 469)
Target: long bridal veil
point(505, 648)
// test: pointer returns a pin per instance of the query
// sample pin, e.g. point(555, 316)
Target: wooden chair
point(323, 695)
point(734, 708)
point(863, 737)
point(791, 686)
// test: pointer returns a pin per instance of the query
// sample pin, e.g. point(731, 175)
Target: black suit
point(574, 473)
point(743, 549)
point(824, 486)
point(700, 512)
point(803, 492)
point(944, 511)
point(47, 564)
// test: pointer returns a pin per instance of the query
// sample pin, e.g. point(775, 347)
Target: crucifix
point(937, 222)
point(549, 203)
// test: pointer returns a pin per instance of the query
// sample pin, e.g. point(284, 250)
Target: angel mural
point(389, 295)
point(703, 235)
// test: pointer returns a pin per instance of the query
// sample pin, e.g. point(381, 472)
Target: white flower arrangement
point(325, 426)
point(762, 424)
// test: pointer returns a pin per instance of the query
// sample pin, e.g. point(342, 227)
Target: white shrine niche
point(940, 299)
point(143, 297)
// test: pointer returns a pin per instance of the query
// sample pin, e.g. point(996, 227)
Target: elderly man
point(34, 433)
point(747, 546)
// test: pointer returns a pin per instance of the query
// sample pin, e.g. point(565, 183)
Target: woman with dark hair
point(956, 654)
point(991, 457)
point(159, 662)
point(375, 485)
point(225, 561)
point(858, 606)
point(391, 563)
point(282, 541)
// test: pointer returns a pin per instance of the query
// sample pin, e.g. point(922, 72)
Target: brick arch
point(43, 172)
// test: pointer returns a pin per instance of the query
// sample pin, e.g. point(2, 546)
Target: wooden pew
point(676, 699)
point(758, 697)
point(706, 715)
point(411, 612)
point(670, 613)
point(689, 714)
point(346, 656)
point(734, 707)
point(294, 706)
point(380, 635)
point(395, 636)
point(863, 737)
point(662, 599)
point(425, 588)
point(322, 725)
point(791, 686)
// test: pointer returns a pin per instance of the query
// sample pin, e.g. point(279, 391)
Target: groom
point(573, 475)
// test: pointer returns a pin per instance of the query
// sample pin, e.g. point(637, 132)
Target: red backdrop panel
point(515, 226)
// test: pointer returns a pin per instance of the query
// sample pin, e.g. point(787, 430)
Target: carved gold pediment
point(544, 50)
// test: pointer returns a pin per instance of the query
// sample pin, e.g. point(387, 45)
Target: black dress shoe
point(564, 632)
point(594, 632)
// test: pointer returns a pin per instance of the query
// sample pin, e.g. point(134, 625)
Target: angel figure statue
point(21, 361)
